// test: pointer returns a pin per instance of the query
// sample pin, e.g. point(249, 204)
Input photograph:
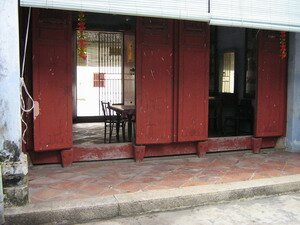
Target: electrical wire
point(23, 86)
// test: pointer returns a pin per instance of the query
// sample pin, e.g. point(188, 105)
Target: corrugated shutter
point(261, 14)
point(196, 10)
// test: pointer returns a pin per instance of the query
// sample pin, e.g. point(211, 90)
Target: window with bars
point(99, 79)
point(228, 73)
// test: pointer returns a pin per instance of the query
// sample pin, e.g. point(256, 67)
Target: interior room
point(232, 81)
point(104, 79)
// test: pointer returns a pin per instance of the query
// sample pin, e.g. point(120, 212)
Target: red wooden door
point(51, 32)
point(154, 81)
point(193, 81)
point(271, 87)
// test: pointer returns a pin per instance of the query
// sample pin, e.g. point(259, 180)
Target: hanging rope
point(23, 86)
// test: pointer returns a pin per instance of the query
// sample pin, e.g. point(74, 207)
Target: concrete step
point(79, 211)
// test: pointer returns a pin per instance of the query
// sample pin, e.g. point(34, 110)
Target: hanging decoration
point(283, 50)
point(81, 41)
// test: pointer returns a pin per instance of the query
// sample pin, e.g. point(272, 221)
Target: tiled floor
point(83, 180)
point(89, 134)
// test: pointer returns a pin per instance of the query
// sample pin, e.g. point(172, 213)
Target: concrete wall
point(293, 101)
point(14, 162)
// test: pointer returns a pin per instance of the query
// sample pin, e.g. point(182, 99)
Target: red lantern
point(283, 50)
point(81, 42)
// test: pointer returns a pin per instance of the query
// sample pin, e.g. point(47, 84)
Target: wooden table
point(125, 110)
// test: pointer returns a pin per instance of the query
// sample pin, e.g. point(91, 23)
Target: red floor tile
point(83, 180)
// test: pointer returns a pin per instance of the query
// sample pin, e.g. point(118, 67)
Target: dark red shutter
point(154, 81)
point(52, 82)
point(193, 81)
point(271, 86)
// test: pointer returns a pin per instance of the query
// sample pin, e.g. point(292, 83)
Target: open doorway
point(104, 80)
point(99, 78)
point(232, 82)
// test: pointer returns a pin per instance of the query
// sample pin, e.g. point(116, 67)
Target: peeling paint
point(3, 70)
point(152, 74)
point(3, 124)
point(36, 109)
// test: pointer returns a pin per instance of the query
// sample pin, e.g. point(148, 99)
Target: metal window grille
point(102, 71)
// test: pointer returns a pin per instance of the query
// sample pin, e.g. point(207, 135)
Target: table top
point(128, 109)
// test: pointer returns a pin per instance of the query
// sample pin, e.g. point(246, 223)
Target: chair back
point(106, 110)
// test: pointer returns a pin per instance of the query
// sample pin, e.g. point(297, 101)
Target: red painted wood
point(256, 145)
point(125, 151)
point(103, 152)
point(154, 81)
point(48, 157)
point(269, 142)
point(80, 154)
point(229, 143)
point(67, 157)
point(193, 81)
point(202, 148)
point(182, 148)
point(271, 87)
point(52, 80)
point(139, 152)
point(176, 80)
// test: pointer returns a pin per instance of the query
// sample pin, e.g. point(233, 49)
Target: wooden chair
point(241, 122)
point(214, 115)
point(111, 121)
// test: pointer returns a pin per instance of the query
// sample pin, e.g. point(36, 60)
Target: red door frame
point(194, 49)
point(52, 66)
point(154, 81)
point(271, 93)
point(166, 147)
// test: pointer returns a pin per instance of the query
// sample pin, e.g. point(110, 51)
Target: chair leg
point(111, 127)
point(105, 132)
point(133, 133)
point(117, 130)
point(123, 131)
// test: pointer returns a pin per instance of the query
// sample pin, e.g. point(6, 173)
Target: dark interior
point(231, 110)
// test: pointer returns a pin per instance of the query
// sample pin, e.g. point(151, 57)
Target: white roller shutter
point(262, 14)
point(196, 10)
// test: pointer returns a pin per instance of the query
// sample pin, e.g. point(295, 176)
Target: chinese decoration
point(81, 41)
point(283, 51)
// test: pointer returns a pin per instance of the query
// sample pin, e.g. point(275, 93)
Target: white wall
point(293, 100)
point(10, 123)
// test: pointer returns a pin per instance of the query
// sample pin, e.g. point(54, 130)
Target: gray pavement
point(134, 204)
point(284, 209)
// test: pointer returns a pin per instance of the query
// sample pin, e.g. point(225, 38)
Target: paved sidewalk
point(118, 188)
point(137, 203)
point(284, 209)
point(50, 183)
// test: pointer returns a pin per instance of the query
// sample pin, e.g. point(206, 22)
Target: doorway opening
point(99, 84)
point(232, 81)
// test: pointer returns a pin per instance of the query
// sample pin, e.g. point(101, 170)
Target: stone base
point(1, 200)
point(15, 182)
point(15, 196)
point(281, 143)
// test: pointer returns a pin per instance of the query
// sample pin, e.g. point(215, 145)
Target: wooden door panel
point(154, 82)
point(193, 81)
point(52, 86)
point(271, 87)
